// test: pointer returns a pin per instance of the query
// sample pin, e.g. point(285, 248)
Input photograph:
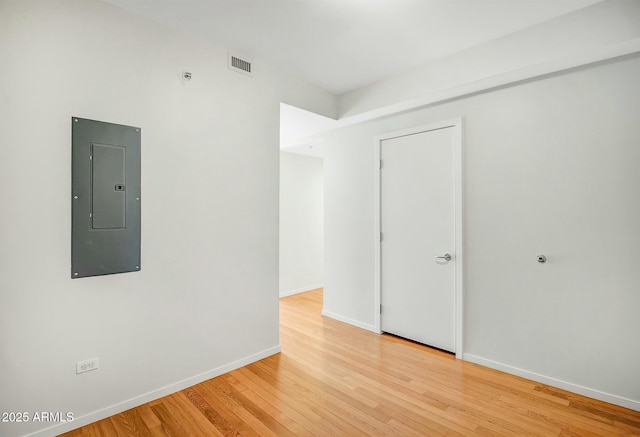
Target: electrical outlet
point(87, 365)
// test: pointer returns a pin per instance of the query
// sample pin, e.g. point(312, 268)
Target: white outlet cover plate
point(87, 365)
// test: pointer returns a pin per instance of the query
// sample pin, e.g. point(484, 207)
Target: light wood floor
point(332, 379)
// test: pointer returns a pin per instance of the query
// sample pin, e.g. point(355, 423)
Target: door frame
point(456, 124)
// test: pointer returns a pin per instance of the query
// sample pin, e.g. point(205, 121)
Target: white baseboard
point(585, 391)
point(353, 322)
point(152, 395)
point(299, 290)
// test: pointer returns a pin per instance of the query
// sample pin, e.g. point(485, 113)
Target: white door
point(417, 219)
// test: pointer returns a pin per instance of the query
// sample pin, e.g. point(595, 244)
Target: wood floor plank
point(262, 405)
point(215, 418)
point(151, 420)
point(192, 414)
point(368, 419)
point(334, 380)
point(101, 428)
point(347, 397)
point(251, 407)
point(311, 401)
point(169, 425)
point(246, 410)
point(192, 426)
point(227, 410)
point(129, 424)
point(302, 416)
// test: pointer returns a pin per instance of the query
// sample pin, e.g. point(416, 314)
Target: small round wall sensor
point(186, 76)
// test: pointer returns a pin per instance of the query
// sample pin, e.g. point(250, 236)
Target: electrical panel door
point(105, 198)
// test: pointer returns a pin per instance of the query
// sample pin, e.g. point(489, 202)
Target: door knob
point(446, 256)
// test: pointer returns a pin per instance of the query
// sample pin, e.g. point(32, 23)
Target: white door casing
point(419, 210)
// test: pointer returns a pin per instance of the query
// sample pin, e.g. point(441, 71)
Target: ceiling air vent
point(240, 65)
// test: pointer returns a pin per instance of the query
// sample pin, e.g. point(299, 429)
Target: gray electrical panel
point(105, 198)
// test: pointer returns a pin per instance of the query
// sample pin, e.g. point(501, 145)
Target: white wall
point(348, 244)
point(301, 223)
point(206, 299)
point(551, 167)
point(608, 26)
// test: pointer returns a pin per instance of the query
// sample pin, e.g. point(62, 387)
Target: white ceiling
point(341, 45)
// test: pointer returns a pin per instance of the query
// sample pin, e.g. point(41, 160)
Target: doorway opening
point(301, 224)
